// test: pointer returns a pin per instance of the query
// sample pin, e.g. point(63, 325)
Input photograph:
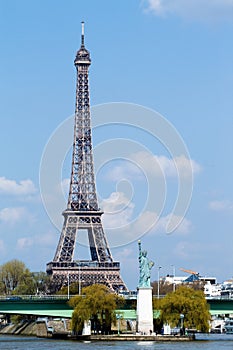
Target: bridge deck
point(57, 306)
point(54, 306)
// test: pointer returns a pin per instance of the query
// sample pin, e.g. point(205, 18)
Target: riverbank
point(134, 337)
point(42, 328)
point(28, 328)
point(39, 329)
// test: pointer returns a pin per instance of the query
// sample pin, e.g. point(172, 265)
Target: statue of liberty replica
point(144, 294)
point(145, 267)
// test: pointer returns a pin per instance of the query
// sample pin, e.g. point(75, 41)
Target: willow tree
point(97, 304)
point(188, 304)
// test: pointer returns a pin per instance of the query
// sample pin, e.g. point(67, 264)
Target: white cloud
point(184, 227)
point(43, 240)
point(203, 10)
point(116, 202)
point(119, 213)
point(118, 210)
point(14, 215)
point(159, 225)
point(124, 227)
point(147, 223)
point(124, 171)
point(154, 165)
point(24, 187)
point(221, 206)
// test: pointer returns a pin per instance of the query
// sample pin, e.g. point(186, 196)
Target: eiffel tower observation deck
point(82, 211)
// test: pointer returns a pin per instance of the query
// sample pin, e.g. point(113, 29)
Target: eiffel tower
point(82, 211)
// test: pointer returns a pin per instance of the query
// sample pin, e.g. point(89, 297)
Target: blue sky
point(174, 57)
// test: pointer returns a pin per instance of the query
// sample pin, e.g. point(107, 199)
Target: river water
point(203, 342)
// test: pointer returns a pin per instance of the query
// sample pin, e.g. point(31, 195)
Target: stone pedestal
point(87, 328)
point(144, 311)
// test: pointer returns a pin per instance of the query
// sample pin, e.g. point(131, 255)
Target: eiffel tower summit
point(82, 211)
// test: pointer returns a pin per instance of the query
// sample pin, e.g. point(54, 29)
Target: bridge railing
point(131, 295)
point(32, 297)
point(222, 297)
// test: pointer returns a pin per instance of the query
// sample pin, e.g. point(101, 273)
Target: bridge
point(53, 306)
point(57, 306)
point(220, 306)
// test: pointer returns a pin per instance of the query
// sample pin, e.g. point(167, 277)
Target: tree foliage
point(13, 274)
point(188, 302)
point(164, 287)
point(73, 289)
point(16, 278)
point(26, 284)
point(42, 282)
point(167, 287)
point(97, 304)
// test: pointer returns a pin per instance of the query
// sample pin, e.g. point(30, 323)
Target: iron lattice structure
point(82, 211)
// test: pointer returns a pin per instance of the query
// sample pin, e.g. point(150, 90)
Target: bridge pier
point(48, 328)
point(42, 331)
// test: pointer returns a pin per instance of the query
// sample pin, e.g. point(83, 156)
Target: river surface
point(203, 342)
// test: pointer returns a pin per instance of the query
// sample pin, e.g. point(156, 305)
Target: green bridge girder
point(220, 306)
point(53, 307)
point(59, 307)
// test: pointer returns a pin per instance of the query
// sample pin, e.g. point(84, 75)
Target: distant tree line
point(16, 278)
point(165, 287)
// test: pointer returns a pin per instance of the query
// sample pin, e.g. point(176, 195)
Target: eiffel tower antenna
point(82, 37)
point(82, 212)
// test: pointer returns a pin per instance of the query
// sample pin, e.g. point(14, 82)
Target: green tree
point(26, 284)
point(16, 278)
point(2, 286)
point(73, 289)
point(164, 287)
point(42, 282)
point(188, 302)
point(97, 303)
point(10, 275)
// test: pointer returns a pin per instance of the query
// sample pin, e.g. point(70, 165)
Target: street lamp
point(79, 280)
point(68, 288)
point(182, 324)
point(173, 279)
point(158, 279)
point(118, 317)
